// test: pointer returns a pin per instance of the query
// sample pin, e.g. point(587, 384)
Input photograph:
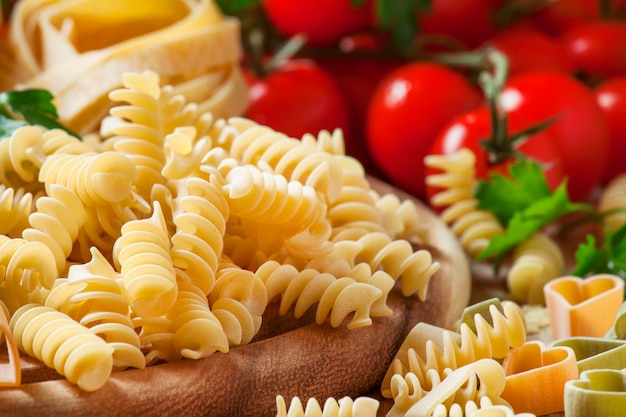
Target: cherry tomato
point(466, 21)
point(407, 111)
point(580, 130)
point(531, 50)
point(611, 96)
point(323, 22)
point(559, 16)
point(358, 78)
point(598, 48)
point(297, 98)
point(469, 129)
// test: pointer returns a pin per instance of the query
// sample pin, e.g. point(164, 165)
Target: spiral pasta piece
point(15, 207)
point(613, 197)
point(400, 218)
point(429, 347)
point(60, 215)
point(197, 332)
point(92, 296)
point(288, 157)
point(400, 260)
point(535, 262)
point(27, 265)
point(63, 344)
point(19, 164)
point(474, 227)
point(238, 301)
point(344, 407)
point(200, 215)
point(336, 297)
point(143, 255)
point(461, 393)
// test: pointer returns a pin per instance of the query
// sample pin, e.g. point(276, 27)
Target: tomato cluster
point(566, 68)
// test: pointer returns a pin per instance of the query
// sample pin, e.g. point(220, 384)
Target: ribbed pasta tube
point(336, 297)
point(92, 296)
point(63, 344)
point(56, 223)
point(142, 255)
point(344, 407)
point(474, 227)
point(238, 300)
point(535, 262)
point(400, 260)
point(200, 214)
point(429, 347)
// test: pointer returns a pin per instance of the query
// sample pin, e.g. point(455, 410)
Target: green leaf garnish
point(609, 257)
point(524, 204)
point(33, 106)
point(233, 7)
point(399, 18)
point(505, 196)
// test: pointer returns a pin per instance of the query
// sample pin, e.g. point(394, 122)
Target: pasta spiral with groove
point(92, 296)
point(63, 344)
point(15, 207)
point(344, 407)
point(474, 227)
point(430, 348)
point(613, 197)
point(27, 265)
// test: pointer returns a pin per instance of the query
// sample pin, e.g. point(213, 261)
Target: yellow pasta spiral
point(15, 207)
point(613, 197)
point(63, 344)
point(27, 265)
point(474, 227)
point(344, 407)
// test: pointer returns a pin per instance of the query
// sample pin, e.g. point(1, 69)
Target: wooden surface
point(288, 357)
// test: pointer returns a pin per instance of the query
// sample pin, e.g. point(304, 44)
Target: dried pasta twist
point(400, 218)
point(398, 258)
point(26, 265)
point(15, 207)
point(19, 161)
point(59, 217)
point(200, 214)
point(474, 227)
point(460, 393)
point(344, 407)
point(63, 344)
point(142, 255)
point(429, 347)
point(287, 156)
point(535, 262)
point(336, 297)
point(613, 197)
point(197, 332)
point(238, 300)
point(92, 296)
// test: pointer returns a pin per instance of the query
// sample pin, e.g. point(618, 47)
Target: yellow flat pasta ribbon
point(598, 392)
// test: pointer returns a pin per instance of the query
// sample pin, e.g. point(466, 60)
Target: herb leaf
point(610, 257)
point(505, 196)
point(399, 18)
point(33, 106)
point(232, 7)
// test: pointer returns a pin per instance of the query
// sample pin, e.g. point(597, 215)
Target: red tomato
point(611, 96)
point(598, 48)
point(469, 129)
point(580, 131)
point(531, 50)
point(297, 98)
point(561, 15)
point(358, 78)
point(324, 22)
point(466, 21)
point(407, 111)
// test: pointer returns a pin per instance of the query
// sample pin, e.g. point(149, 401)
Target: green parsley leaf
point(526, 222)
point(609, 257)
point(32, 106)
point(506, 196)
point(233, 7)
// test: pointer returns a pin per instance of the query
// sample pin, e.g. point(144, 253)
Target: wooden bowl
point(288, 357)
